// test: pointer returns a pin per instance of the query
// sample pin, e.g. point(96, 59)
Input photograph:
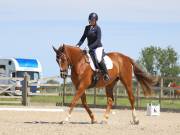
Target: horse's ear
point(56, 51)
point(63, 45)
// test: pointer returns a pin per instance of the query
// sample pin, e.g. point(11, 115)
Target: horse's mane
point(63, 46)
point(69, 49)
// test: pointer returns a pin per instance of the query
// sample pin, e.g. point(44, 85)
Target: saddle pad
point(107, 60)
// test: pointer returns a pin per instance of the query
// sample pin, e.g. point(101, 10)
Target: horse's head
point(62, 60)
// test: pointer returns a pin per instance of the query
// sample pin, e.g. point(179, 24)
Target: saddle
point(89, 60)
point(97, 71)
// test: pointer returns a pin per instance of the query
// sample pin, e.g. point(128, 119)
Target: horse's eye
point(63, 60)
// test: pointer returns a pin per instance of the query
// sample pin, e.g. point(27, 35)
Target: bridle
point(64, 73)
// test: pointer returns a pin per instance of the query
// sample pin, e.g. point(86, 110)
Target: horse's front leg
point(78, 94)
point(84, 103)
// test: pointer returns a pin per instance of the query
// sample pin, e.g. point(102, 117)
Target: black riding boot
point(104, 70)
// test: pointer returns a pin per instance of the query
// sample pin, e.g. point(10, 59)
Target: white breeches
point(99, 53)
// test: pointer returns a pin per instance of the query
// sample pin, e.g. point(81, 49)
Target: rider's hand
point(77, 46)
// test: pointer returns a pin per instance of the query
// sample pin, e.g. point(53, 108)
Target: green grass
point(45, 99)
point(9, 99)
point(10, 104)
point(175, 104)
point(172, 104)
point(90, 100)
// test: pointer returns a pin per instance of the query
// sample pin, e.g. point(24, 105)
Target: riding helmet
point(93, 16)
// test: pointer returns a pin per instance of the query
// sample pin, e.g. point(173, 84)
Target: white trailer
point(16, 67)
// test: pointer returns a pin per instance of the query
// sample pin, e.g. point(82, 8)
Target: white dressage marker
point(31, 110)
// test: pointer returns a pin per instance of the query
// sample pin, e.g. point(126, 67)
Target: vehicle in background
point(15, 68)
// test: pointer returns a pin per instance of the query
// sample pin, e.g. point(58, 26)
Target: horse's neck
point(74, 54)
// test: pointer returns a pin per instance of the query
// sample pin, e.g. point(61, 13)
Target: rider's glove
point(77, 45)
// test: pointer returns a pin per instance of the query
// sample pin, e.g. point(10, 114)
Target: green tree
point(163, 62)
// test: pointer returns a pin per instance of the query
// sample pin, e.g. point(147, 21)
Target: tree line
point(159, 61)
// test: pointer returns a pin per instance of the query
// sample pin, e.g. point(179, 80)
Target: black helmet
point(93, 16)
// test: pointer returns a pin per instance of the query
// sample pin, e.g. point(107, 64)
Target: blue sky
point(29, 28)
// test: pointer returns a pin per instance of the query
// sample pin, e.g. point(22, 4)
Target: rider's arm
point(98, 40)
point(83, 37)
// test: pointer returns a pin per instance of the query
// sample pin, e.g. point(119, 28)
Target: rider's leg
point(99, 53)
point(94, 58)
point(104, 70)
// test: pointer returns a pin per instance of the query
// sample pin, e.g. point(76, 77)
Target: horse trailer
point(15, 68)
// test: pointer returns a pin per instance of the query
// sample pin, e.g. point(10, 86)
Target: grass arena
point(35, 121)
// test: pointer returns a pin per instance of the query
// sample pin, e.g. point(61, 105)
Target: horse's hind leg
point(84, 103)
point(128, 87)
point(126, 79)
point(110, 100)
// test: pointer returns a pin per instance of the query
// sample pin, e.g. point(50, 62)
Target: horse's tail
point(146, 80)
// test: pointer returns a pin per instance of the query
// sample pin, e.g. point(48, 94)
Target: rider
point(93, 34)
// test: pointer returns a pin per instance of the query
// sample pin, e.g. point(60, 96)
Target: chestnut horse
point(176, 87)
point(82, 74)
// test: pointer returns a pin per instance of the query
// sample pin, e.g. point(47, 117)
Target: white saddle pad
point(107, 60)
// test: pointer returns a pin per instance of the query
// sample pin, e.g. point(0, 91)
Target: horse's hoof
point(104, 122)
point(64, 122)
point(135, 122)
point(94, 122)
